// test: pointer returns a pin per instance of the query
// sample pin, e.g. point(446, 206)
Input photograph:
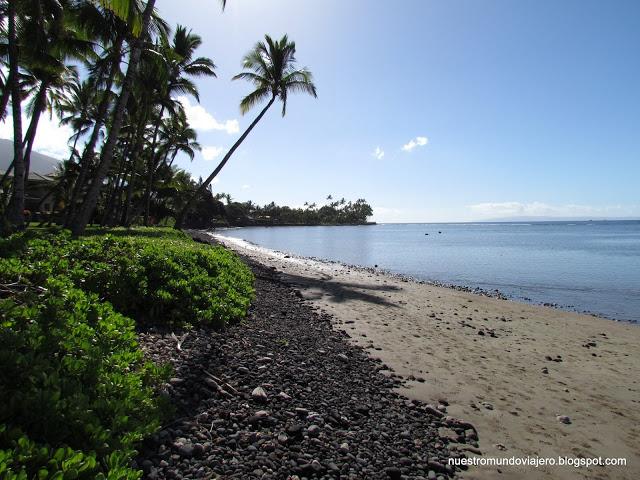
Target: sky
point(453, 110)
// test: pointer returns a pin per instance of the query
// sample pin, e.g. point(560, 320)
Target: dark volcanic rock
point(330, 412)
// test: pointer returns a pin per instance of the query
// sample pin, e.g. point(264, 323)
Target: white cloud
point(51, 137)
point(246, 187)
point(540, 209)
point(416, 142)
point(378, 153)
point(202, 120)
point(210, 152)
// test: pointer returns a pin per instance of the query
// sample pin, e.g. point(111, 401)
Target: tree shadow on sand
point(338, 292)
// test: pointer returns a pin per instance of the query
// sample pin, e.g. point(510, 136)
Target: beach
point(534, 381)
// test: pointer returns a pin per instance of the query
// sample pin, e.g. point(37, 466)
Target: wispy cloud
point(210, 152)
point(541, 209)
point(246, 187)
point(51, 137)
point(378, 153)
point(416, 142)
point(202, 120)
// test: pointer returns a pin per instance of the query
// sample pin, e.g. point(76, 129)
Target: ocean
point(589, 267)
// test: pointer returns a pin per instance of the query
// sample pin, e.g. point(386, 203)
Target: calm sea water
point(583, 266)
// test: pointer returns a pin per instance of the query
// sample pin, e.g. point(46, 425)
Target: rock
point(284, 396)
point(186, 450)
point(302, 412)
point(563, 419)
point(313, 430)
point(259, 395)
point(395, 473)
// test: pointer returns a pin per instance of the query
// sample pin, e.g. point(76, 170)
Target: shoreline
point(285, 395)
point(495, 293)
point(511, 369)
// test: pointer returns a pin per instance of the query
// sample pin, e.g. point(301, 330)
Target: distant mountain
point(40, 164)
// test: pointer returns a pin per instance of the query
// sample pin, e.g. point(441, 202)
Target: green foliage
point(72, 375)
point(77, 394)
point(24, 459)
point(145, 275)
point(338, 212)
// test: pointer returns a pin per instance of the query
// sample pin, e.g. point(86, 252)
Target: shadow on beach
point(338, 292)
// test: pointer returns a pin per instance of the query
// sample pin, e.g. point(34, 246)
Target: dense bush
point(76, 394)
point(147, 277)
point(71, 375)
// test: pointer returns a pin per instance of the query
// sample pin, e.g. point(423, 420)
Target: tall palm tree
point(271, 67)
point(15, 208)
point(181, 65)
point(81, 219)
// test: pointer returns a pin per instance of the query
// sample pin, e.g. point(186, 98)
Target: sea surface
point(582, 266)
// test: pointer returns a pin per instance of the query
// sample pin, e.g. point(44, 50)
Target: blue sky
point(526, 108)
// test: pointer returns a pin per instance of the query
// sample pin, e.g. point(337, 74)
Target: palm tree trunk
point(87, 154)
point(15, 210)
point(223, 162)
point(30, 136)
point(152, 167)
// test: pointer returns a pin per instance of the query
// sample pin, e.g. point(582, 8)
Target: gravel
point(282, 395)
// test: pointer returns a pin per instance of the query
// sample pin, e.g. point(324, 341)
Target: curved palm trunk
point(87, 154)
point(15, 210)
point(30, 136)
point(223, 162)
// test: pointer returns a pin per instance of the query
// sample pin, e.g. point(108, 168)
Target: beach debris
point(563, 419)
point(545, 370)
point(487, 405)
point(179, 341)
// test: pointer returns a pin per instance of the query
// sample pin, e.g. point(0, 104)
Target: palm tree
point(271, 67)
point(181, 64)
point(81, 219)
point(15, 208)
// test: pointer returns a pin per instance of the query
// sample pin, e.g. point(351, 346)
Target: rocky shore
point(534, 381)
point(285, 395)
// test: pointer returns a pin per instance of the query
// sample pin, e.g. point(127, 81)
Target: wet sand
point(510, 369)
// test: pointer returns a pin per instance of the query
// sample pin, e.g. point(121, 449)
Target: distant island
point(221, 211)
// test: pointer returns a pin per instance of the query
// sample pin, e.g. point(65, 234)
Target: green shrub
point(75, 393)
point(72, 375)
point(145, 276)
point(25, 459)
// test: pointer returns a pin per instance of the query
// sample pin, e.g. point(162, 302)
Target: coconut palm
point(271, 67)
point(81, 219)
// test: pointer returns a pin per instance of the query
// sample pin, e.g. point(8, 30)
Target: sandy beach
point(513, 370)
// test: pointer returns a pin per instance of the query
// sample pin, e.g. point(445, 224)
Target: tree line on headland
point(220, 210)
point(113, 71)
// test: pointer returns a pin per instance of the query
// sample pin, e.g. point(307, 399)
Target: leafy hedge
point(149, 278)
point(76, 393)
